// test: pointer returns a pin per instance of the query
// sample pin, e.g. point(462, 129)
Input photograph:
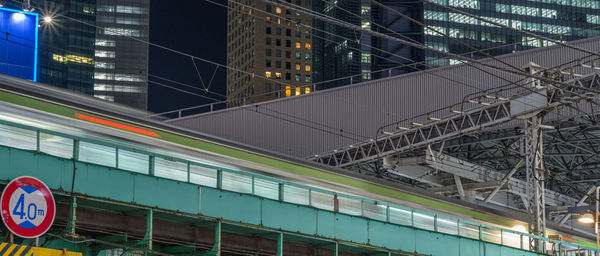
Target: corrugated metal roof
point(325, 120)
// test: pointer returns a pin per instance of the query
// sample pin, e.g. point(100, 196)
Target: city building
point(269, 41)
point(448, 30)
point(86, 46)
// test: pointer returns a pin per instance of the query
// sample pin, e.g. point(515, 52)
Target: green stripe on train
point(272, 162)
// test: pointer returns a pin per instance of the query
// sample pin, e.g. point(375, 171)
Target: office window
point(288, 65)
point(288, 54)
point(298, 33)
point(471, 4)
point(268, 51)
point(364, 10)
point(278, 64)
point(277, 53)
point(307, 68)
point(122, 32)
point(288, 76)
point(307, 56)
point(278, 10)
point(268, 19)
point(297, 66)
point(297, 55)
point(268, 63)
point(288, 32)
point(307, 79)
point(298, 45)
point(268, 30)
point(297, 76)
point(104, 65)
point(268, 41)
point(268, 89)
point(269, 8)
point(307, 46)
point(288, 91)
point(104, 54)
point(307, 34)
point(277, 42)
point(105, 42)
point(365, 24)
point(278, 31)
point(277, 75)
point(268, 74)
point(365, 57)
point(288, 43)
point(297, 91)
point(431, 15)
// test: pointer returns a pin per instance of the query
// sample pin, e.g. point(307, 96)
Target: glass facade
point(103, 62)
point(562, 20)
point(341, 52)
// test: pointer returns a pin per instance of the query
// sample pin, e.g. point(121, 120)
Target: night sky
point(198, 28)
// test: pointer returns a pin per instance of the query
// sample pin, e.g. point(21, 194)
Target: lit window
point(307, 56)
point(365, 58)
point(307, 68)
point(118, 77)
point(278, 10)
point(307, 90)
point(117, 88)
point(472, 4)
point(365, 24)
point(105, 65)
point(128, 21)
point(298, 45)
point(366, 74)
point(105, 97)
point(105, 42)
point(297, 66)
point(307, 46)
point(307, 78)
point(364, 10)
point(104, 54)
point(268, 74)
point(288, 91)
point(297, 91)
point(277, 75)
point(297, 76)
point(297, 55)
point(122, 32)
point(72, 58)
point(131, 9)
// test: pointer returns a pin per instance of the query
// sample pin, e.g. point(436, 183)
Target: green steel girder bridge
point(128, 186)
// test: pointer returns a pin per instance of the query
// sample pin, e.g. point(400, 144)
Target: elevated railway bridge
point(125, 185)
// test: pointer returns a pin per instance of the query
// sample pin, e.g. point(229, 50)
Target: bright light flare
point(520, 228)
point(18, 17)
point(586, 218)
point(47, 19)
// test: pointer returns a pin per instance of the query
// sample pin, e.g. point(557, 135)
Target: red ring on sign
point(5, 212)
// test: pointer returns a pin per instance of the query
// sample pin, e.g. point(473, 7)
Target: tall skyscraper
point(87, 47)
point(269, 41)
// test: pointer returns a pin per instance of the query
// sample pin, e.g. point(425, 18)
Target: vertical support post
point(148, 236)
point(151, 165)
point(336, 204)
point(281, 188)
point(280, 244)
point(71, 223)
point(220, 179)
point(534, 164)
point(336, 249)
point(37, 140)
point(188, 171)
point(216, 250)
point(76, 149)
point(117, 157)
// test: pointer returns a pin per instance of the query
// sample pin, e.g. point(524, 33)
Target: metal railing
point(187, 170)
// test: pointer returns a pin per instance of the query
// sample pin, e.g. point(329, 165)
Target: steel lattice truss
point(492, 135)
point(465, 122)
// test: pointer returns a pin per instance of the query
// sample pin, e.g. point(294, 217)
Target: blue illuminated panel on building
point(18, 43)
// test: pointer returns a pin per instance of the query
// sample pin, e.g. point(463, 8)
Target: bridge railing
point(196, 171)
